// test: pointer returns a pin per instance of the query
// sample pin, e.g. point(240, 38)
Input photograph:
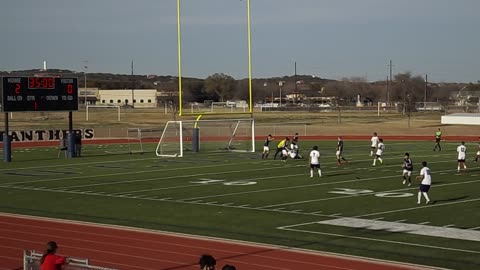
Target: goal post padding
point(31, 261)
point(214, 136)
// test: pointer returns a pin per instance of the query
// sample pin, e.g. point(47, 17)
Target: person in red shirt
point(51, 261)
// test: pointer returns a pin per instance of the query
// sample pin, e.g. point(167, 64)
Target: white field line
point(362, 194)
point(214, 203)
point(416, 208)
point(294, 187)
point(149, 171)
point(379, 240)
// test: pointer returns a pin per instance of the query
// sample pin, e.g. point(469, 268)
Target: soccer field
point(355, 209)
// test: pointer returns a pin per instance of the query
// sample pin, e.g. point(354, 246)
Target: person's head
point(374, 134)
point(381, 140)
point(407, 155)
point(339, 138)
point(438, 129)
point(463, 143)
point(287, 139)
point(229, 267)
point(296, 134)
point(315, 147)
point(207, 262)
point(52, 247)
point(424, 163)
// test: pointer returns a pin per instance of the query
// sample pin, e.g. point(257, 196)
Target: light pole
point(280, 84)
point(85, 69)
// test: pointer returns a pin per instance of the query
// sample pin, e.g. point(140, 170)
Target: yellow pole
point(179, 50)
point(196, 121)
point(249, 33)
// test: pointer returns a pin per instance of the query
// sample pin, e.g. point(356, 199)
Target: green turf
point(267, 201)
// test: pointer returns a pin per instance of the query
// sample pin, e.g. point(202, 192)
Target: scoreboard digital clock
point(23, 94)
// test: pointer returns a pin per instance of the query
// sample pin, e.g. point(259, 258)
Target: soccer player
point(266, 146)
point(478, 153)
point(340, 151)
point(407, 169)
point(295, 138)
point(461, 150)
point(378, 154)
point(426, 178)
point(281, 146)
point(314, 161)
point(293, 151)
point(374, 144)
point(438, 138)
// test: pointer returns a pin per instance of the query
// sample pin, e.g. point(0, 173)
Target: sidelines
point(221, 240)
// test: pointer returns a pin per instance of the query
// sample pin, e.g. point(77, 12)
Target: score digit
point(18, 87)
point(69, 89)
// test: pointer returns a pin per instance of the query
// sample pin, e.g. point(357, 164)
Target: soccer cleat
point(418, 202)
point(404, 182)
point(409, 184)
point(381, 161)
point(339, 164)
point(427, 202)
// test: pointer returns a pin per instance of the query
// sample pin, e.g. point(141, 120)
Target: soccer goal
point(131, 142)
point(217, 135)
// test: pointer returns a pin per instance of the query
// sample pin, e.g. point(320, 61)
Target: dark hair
point(407, 154)
point(463, 143)
point(228, 267)
point(424, 163)
point(381, 139)
point(207, 260)
point(51, 249)
point(315, 147)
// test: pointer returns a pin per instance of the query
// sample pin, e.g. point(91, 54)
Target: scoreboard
point(24, 94)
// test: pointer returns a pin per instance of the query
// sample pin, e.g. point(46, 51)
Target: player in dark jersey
point(339, 152)
point(407, 169)
point(266, 146)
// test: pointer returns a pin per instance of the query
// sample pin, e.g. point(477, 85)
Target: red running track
point(137, 249)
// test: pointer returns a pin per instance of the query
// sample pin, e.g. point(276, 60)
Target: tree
point(221, 85)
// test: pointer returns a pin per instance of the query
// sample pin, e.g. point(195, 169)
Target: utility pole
point(85, 68)
point(296, 93)
point(133, 89)
point(389, 84)
point(426, 88)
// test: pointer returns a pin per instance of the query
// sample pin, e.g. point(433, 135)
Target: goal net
point(129, 141)
point(217, 135)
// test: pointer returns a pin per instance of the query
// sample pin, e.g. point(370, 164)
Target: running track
point(137, 249)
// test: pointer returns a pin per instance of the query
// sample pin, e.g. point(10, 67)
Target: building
point(140, 98)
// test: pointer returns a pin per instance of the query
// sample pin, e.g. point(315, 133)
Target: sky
point(326, 38)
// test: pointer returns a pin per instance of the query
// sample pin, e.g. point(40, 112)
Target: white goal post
point(213, 136)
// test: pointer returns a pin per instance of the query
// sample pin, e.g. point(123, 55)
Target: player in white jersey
point(426, 178)
point(314, 161)
point(462, 151)
point(374, 140)
point(379, 153)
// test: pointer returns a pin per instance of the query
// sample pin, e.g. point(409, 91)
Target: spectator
point(207, 262)
point(51, 261)
point(228, 267)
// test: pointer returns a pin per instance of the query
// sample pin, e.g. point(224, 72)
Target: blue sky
point(327, 38)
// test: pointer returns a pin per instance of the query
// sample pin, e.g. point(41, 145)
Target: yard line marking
point(227, 204)
point(244, 205)
point(378, 218)
point(211, 202)
point(380, 240)
point(476, 228)
point(400, 220)
point(318, 212)
point(297, 211)
point(279, 209)
point(336, 215)
point(140, 172)
point(418, 207)
point(424, 223)
point(362, 194)
point(449, 225)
